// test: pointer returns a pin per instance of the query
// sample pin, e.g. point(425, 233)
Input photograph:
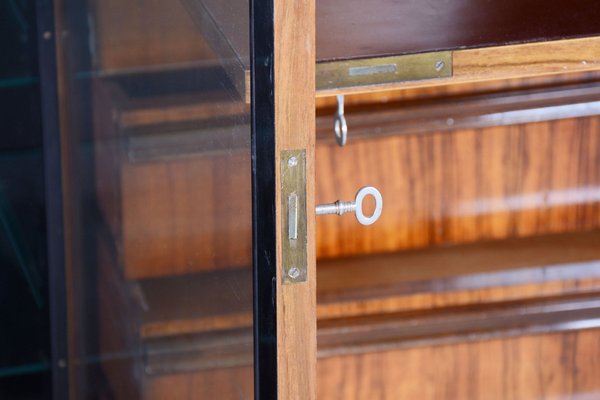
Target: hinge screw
point(294, 272)
point(439, 66)
point(292, 162)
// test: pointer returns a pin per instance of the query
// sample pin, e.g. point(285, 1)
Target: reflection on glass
point(24, 302)
point(160, 136)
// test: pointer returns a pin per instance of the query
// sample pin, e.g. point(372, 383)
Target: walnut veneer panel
point(222, 384)
point(553, 366)
point(556, 366)
point(438, 188)
point(186, 215)
point(515, 165)
point(357, 29)
point(141, 34)
point(463, 186)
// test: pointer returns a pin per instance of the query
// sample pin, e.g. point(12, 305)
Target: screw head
point(292, 162)
point(293, 272)
point(439, 65)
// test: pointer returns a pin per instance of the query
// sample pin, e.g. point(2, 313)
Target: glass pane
point(159, 201)
point(24, 301)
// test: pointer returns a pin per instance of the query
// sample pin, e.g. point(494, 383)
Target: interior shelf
point(366, 46)
point(528, 285)
point(159, 127)
point(346, 286)
point(434, 272)
point(447, 112)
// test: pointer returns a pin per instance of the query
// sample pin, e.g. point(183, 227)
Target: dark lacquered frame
point(263, 198)
point(54, 199)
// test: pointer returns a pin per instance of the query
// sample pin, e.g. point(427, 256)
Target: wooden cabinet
point(477, 123)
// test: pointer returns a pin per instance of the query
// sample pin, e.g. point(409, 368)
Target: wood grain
point(466, 89)
point(474, 275)
point(504, 62)
point(116, 332)
point(353, 29)
point(455, 112)
point(186, 215)
point(463, 186)
point(227, 383)
point(558, 159)
point(454, 187)
point(225, 26)
point(294, 82)
point(161, 113)
point(141, 34)
point(119, 115)
point(556, 366)
point(553, 366)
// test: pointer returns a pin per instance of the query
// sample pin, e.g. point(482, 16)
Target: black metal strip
point(263, 198)
point(54, 199)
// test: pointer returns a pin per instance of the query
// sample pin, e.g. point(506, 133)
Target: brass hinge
point(293, 216)
point(383, 70)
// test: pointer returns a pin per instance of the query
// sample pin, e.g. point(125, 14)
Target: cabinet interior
point(491, 219)
point(486, 230)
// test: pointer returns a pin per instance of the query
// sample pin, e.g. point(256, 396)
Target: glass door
point(156, 140)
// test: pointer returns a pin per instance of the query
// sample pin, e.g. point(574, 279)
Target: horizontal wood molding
point(385, 332)
point(553, 366)
point(450, 112)
point(505, 62)
point(476, 275)
point(538, 366)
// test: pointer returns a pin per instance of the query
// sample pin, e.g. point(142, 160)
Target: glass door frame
point(282, 334)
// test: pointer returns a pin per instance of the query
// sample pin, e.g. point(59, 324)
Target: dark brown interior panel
point(348, 29)
point(142, 35)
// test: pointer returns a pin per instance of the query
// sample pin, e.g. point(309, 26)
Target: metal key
point(343, 207)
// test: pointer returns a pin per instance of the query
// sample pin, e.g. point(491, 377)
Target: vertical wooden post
point(294, 85)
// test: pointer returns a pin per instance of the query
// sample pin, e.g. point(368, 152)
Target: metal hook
point(340, 127)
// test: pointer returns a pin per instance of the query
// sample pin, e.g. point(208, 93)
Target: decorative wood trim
point(390, 331)
point(484, 290)
point(384, 332)
point(453, 112)
point(472, 275)
point(294, 83)
point(505, 62)
point(234, 58)
point(146, 123)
